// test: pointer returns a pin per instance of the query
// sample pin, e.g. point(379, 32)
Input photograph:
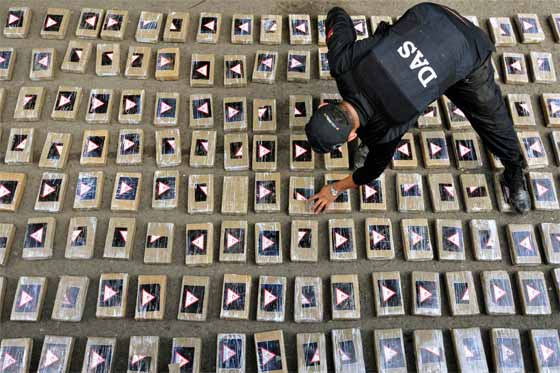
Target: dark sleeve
point(343, 49)
point(376, 162)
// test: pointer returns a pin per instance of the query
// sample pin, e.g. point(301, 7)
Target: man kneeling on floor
point(387, 81)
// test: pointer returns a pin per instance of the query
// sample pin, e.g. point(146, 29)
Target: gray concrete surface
point(171, 327)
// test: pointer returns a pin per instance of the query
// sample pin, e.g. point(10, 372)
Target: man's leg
point(480, 98)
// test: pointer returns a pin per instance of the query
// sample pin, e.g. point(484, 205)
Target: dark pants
point(480, 98)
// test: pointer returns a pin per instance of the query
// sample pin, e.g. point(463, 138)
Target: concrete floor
point(171, 327)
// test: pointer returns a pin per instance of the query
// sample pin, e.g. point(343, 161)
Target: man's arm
point(344, 51)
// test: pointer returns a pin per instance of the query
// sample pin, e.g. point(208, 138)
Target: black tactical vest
point(415, 62)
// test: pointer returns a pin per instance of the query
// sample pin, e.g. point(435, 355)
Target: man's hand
point(323, 199)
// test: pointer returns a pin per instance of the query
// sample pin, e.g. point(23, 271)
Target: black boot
point(514, 180)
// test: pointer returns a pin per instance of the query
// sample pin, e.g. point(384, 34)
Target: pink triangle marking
point(268, 62)
point(8, 361)
point(432, 350)
point(26, 99)
point(2, 59)
point(203, 70)
point(434, 149)
point(163, 107)
point(407, 187)
point(95, 360)
point(296, 111)
point(181, 360)
point(125, 188)
point(449, 190)
point(12, 19)
point(108, 293)
point(404, 149)
point(536, 146)
point(302, 27)
point(79, 53)
point(111, 21)
point(162, 188)
point(83, 189)
point(499, 293)
point(316, 357)
point(300, 151)
point(526, 243)
point(95, 103)
point(50, 22)
point(124, 234)
point(459, 112)
point(147, 297)
point(466, 295)
point(454, 239)
point(199, 242)
point(231, 112)
point(340, 296)
point(261, 112)
point(300, 197)
point(50, 359)
point(75, 234)
point(269, 297)
point(294, 63)
point(190, 299)
point(127, 144)
point(231, 240)
point(227, 353)
point(369, 191)
point(546, 352)
point(164, 61)
point(266, 242)
point(541, 189)
point(244, 26)
point(532, 292)
point(263, 192)
point(555, 108)
point(37, 235)
point(24, 298)
point(468, 353)
point(463, 150)
point(154, 238)
point(129, 104)
point(203, 108)
point(359, 27)
point(266, 356)
point(305, 300)
point(91, 20)
point(204, 189)
point(339, 239)
point(540, 62)
point(344, 356)
point(22, 145)
point(516, 65)
point(236, 69)
point(59, 148)
point(301, 235)
point(66, 301)
point(377, 237)
point(203, 143)
point(47, 189)
point(526, 25)
point(210, 25)
point(506, 352)
point(137, 358)
point(263, 151)
point(430, 113)
point(110, 56)
point(63, 100)
point(389, 353)
point(231, 296)
point(239, 152)
point(4, 191)
point(171, 143)
point(91, 146)
point(273, 27)
point(424, 294)
point(415, 238)
point(387, 293)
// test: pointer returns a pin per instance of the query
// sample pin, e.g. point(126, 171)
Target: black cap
point(328, 128)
